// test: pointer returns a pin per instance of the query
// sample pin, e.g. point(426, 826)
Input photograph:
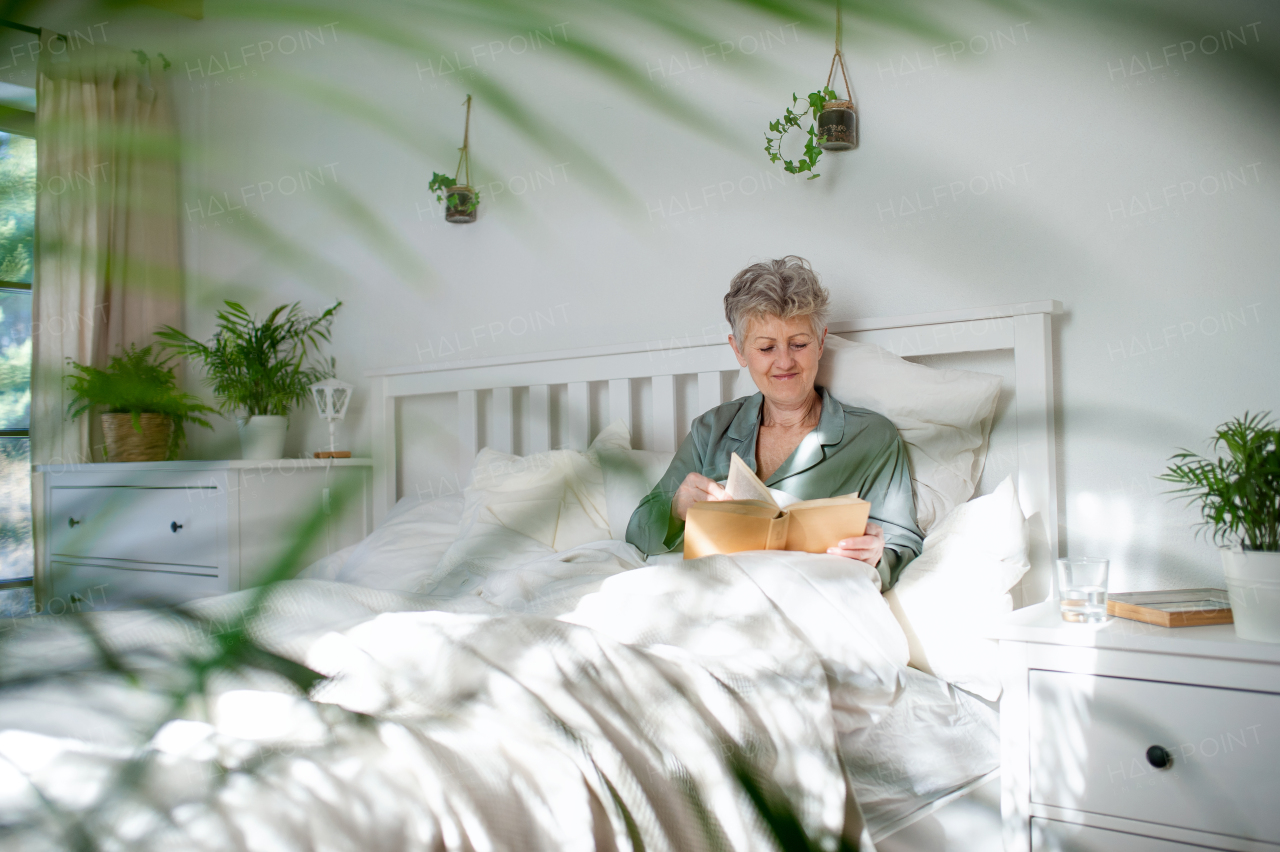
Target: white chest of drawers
point(112, 536)
point(1137, 738)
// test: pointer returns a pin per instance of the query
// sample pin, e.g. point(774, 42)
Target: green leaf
point(137, 382)
point(792, 119)
point(1239, 494)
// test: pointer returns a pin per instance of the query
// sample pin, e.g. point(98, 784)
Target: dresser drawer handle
point(1159, 757)
point(72, 522)
point(175, 526)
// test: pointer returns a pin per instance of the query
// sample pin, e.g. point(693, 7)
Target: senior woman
point(797, 437)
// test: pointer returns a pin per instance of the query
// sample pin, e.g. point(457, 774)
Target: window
point(17, 244)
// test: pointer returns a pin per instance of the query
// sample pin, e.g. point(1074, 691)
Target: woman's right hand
point(695, 489)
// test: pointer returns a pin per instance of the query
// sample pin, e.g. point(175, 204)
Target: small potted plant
point(145, 413)
point(1239, 496)
point(835, 120)
point(813, 103)
point(460, 199)
point(260, 370)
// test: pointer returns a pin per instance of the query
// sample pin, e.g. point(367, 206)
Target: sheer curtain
point(108, 255)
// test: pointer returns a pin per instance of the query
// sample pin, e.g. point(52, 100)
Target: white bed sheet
point(934, 739)
point(793, 655)
point(459, 738)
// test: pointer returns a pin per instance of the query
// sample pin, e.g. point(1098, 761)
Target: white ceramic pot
point(262, 436)
point(1253, 584)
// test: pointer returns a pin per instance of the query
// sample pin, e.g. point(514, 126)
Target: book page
point(743, 483)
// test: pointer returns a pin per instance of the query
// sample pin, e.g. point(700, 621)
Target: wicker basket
point(126, 444)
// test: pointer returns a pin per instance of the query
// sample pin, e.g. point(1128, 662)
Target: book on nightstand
point(753, 520)
point(1177, 608)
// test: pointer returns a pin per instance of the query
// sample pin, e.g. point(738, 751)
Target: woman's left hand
point(865, 548)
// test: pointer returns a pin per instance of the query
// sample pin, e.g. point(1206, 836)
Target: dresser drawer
point(1052, 836)
point(181, 526)
point(1089, 737)
point(83, 585)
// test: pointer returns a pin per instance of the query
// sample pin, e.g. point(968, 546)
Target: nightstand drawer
point(1051, 836)
point(162, 525)
point(87, 584)
point(1089, 740)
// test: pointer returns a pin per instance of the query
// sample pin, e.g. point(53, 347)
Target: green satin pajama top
point(851, 450)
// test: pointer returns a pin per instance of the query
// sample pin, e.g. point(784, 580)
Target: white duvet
point(576, 700)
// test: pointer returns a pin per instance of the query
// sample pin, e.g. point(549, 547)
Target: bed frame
point(530, 403)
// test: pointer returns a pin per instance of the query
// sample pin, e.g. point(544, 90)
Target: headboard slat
point(578, 417)
point(537, 434)
point(620, 402)
point(664, 413)
point(710, 391)
point(468, 430)
point(504, 432)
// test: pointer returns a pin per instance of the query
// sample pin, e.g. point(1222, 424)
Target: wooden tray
point(1177, 608)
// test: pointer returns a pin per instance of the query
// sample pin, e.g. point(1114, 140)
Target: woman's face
point(782, 357)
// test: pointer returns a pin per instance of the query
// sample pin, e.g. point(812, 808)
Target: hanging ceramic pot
point(838, 126)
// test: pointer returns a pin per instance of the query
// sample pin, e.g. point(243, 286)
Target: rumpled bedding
point(580, 700)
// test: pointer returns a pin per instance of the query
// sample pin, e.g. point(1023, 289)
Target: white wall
point(1052, 167)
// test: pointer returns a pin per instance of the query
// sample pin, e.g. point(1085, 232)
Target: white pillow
point(629, 476)
point(944, 416)
point(403, 554)
point(520, 507)
point(948, 596)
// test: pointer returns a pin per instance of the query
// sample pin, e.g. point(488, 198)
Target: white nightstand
point(110, 536)
point(1088, 713)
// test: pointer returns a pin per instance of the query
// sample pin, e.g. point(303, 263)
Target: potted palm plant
point(260, 370)
point(145, 413)
point(1239, 497)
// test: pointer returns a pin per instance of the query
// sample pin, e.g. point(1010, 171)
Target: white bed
point(815, 655)
point(431, 420)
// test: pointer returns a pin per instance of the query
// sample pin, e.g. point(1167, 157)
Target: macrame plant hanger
point(464, 158)
point(838, 123)
point(461, 199)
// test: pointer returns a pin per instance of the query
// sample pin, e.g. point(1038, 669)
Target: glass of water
point(1082, 589)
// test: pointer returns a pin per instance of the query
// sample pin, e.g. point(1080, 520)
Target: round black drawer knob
point(175, 526)
point(1159, 757)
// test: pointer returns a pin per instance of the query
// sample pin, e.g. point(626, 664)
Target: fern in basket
point(1239, 494)
point(260, 367)
point(136, 382)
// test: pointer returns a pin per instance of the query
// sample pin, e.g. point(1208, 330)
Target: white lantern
point(332, 397)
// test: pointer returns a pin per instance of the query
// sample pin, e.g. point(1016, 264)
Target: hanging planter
point(835, 120)
point(460, 203)
point(838, 126)
point(460, 200)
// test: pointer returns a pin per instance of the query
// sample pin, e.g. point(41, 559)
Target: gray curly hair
point(785, 288)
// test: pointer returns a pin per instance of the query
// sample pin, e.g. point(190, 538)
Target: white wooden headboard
point(528, 403)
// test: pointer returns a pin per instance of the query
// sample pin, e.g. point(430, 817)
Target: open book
point(752, 520)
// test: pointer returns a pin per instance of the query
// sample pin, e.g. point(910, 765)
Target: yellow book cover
point(752, 520)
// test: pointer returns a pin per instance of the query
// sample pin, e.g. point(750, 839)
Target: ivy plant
point(813, 104)
point(440, 184)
